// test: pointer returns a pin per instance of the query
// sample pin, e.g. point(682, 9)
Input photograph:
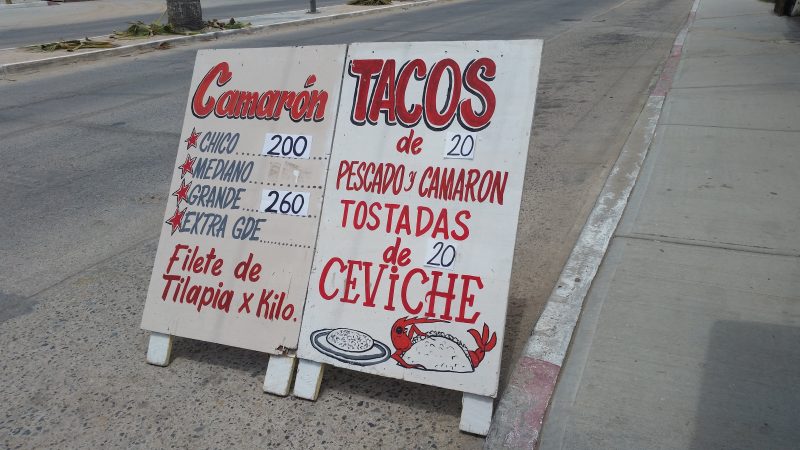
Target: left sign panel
point(238, 235)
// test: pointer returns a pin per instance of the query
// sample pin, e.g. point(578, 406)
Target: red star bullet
point(187, 166)
point(176, 219)
point(182, 194)
point(191, 141)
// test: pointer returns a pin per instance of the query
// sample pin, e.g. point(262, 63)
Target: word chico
point(219, 142)
point(268, 105)
point(467, 94)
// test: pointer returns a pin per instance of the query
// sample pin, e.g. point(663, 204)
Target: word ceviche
point(448, 92)
point(305, 105)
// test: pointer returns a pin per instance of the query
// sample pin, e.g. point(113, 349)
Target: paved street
point(88, 152)
point(37, 25)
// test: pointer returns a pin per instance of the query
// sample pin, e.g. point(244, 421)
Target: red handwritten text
point(386, 95)
point(268, 105)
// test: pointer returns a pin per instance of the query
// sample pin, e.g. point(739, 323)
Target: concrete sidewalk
point(689, 335)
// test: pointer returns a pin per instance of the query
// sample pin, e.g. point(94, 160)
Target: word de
point(410, 144)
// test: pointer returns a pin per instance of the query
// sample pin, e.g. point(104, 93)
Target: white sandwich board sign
point(413, 262)
point(357, 204)
point(238, 236)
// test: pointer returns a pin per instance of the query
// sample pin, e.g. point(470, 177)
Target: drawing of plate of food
point(350, 346)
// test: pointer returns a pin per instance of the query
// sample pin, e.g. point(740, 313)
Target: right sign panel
point(411, 274)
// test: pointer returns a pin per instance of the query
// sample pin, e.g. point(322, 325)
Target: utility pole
point(313, 8)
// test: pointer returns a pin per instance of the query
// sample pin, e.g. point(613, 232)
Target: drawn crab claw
point(492, 342)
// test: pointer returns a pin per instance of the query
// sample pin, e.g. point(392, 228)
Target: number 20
point(444, 255)
point(460, 146)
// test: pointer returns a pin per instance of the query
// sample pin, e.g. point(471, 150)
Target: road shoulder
point(21, 60)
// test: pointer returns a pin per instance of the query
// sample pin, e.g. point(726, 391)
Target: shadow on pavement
point(751, 387)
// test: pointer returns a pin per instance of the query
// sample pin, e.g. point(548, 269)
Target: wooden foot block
point(309, 378)
point(159, 349)
point(476, 414)
point(280, 371)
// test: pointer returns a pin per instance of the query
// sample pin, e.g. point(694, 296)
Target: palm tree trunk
point(185, 14)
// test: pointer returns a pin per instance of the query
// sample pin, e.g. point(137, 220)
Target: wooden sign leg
point(309, 378)
point(278, 379)
point(159, 349)
point(476, 414)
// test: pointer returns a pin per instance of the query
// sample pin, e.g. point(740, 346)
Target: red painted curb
point(532, 385)
point(671, 66)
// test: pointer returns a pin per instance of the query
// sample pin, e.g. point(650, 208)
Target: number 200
point(287, 145)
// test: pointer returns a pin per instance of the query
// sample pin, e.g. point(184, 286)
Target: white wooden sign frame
point(484, 132)
point(257, 135)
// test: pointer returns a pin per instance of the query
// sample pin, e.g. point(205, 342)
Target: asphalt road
point(29, 29)
point(87, 155)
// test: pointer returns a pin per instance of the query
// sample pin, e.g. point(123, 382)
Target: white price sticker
point(441, 254)
point(459, 145)
point(290, 203)
point(296, 146)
